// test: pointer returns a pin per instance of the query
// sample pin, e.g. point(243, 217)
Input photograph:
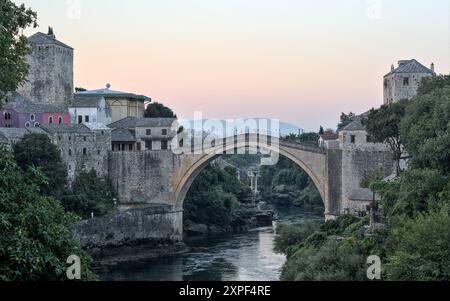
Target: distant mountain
point(284, 128)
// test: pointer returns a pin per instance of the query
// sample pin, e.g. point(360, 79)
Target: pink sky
point(303, 62)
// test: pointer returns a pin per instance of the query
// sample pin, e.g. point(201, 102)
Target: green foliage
point(338, 226)
point(430, 84)
point(90, 194)
point(36, 150)
point(290, 235)
point(420, 248)
point(346, 119)
point(35, 232)
point(417, 191)
point(334, 261)
point(158, 110)
point(13, 45)
point(426, 129)
point(383, 126)
point(214, 197)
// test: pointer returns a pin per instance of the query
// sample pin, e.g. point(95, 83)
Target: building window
point(70, 153)
point(60, 120)
point(406, 81)
point(80, 119)
point(164, 145)
point(59, 138)
point(130, 147)
point(149, 145)
point(98, 152)
point(50, 120)
point(36, 124)
point(70, 138)
point(353, 139)
point(164, 132)
point(149, 132)
point(27, 124)
point(86, 119)
point(84, 138)
point(84, 151)
point(32, 117)
point(70, 167)
point(103, 133)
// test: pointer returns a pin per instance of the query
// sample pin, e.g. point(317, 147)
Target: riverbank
point(249, 217)
point(247, 256)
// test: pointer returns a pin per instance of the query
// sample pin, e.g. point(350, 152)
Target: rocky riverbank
point(249, 217)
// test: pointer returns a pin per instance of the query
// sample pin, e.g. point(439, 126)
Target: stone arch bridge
point(152, 185)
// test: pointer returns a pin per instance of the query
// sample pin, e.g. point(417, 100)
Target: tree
point(13, 45)
point(80, 89)
point(383, 126)
point(420, 248)
point(321, 130)
point(36, 150)
point(346, 119)
point(425, 129)
point(90, 194)
point(158, 110)
point(35, 232)
point(430, 84)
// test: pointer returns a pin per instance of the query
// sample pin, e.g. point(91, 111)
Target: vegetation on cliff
point(415, 241)
point(35, 232)
point(13, 45)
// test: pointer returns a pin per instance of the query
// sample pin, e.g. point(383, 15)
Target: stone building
point(403, 82)
point(90, 110)
point(82, 148)
point(23, 113)
point(122, 104)
point(50, 78)
point(140, 134)
point(11, 136)
point(359, 158)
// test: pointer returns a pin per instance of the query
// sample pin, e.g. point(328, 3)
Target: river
point(241, 257)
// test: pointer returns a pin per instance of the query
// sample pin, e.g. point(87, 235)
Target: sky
point(301, 61)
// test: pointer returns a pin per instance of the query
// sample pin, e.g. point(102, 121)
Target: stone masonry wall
point(142, 177)
point(130, 227)
point(50, 79)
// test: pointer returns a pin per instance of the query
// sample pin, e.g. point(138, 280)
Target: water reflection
point(243, 257)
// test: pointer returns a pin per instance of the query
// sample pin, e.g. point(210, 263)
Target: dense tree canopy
point(35, 232)
point(38, 151)
point(158, 110)
point(383, 126)
point(346, 119)
point(90, 194)
point(13, 45)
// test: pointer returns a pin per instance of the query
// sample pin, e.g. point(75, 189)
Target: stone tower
point(403, 82)
point(50, 79)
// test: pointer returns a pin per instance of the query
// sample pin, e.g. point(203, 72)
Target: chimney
point(432, 67)
point(51, 33)
point(392, 68)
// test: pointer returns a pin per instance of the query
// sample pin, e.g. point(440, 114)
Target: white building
point(94, 110)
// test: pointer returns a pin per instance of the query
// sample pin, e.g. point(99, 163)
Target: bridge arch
point(310, 159)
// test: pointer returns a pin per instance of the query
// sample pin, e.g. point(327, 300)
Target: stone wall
point(359, 163)
point(395, 89)
point(50, 78)
point(97, 145)
point(142, 177)
point(131, 227)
